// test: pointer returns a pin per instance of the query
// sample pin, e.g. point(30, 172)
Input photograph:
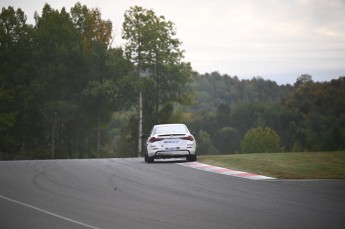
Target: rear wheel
point(150, 159)
point(146, 157)
point(191, 158)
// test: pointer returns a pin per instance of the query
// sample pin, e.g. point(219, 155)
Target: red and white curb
point(224, 171)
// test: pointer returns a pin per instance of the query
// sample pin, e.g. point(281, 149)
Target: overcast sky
point(275, 39)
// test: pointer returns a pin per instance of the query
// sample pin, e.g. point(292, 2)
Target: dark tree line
point(308, 116)
point(152, 46)
point(66, 93)
point(59, 83)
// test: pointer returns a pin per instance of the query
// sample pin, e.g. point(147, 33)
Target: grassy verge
point(317, 165)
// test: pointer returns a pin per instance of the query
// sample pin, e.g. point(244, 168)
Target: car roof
point(174, 124)
point(171, 128)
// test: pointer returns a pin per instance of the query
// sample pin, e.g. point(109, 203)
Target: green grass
point(307, 165)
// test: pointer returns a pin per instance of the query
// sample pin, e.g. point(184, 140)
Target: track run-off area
point(129, 193)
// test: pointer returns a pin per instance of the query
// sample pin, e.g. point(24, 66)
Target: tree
point(320, 109)
point(151, 44)
point(99, 98)
point(261, 140)
point(204, 143)
point(15, 71)
point(59, 63)
point(7, 120)
point(100, 92)
point(302, 80)
point(91, 27)
point(226, 140)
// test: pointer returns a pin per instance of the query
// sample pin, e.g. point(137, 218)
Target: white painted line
point(224, 171)
point(48, 212)
point(211, 169)
point(260, 177)
point(233, 173)
point(200, 166)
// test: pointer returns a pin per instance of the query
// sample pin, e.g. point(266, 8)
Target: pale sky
point(275, 39)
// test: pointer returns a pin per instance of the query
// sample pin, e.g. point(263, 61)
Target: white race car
point(170, 141)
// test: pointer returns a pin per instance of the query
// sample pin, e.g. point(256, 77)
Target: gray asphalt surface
point(128, 193)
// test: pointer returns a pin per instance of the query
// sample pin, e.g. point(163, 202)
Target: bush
point(261, 140)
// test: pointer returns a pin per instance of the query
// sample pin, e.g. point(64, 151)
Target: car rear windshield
point(171, 129)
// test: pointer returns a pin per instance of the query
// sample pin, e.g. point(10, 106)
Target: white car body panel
point(170, 141)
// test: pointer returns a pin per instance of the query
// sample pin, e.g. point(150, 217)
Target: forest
point(307, 116)
point(66, 92)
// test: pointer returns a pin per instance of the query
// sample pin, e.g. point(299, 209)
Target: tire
point(191, 158)
point(146, 157)
point(150, 159)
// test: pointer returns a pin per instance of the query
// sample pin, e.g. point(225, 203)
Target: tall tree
point(165, 52)
point(151, 44)
point(91, 27)
point(321, 108)
point(59, 82)
point(15, 71)
point(59, 64)
point(103, 94)
point(303, 80)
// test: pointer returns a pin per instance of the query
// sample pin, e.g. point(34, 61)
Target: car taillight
point(153, 139)
point(189, 138)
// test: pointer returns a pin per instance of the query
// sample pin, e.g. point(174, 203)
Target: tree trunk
point(23, 144)
point(98, 133)
point(53, 136)
point(157, 95)
point(76, 146)
point(140, 123)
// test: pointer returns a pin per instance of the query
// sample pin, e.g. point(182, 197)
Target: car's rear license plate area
point(171, 144)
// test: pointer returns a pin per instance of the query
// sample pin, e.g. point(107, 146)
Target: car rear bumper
point(171, 154)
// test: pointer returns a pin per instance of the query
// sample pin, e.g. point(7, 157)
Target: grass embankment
point(317, 165)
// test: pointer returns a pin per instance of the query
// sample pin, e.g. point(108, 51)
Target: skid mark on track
point(224, 171)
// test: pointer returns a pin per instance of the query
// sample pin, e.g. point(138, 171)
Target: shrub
point(261, 140)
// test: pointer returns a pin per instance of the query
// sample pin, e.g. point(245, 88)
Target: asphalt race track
point(128, 193)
